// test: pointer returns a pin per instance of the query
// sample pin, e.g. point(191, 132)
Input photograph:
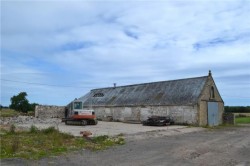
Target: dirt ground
point(227, 146)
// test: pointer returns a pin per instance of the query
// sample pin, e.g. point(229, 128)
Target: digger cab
point(76, 109)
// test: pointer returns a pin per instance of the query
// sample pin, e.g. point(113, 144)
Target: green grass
point(242, 120)
point(35, 144)
point(5, 112)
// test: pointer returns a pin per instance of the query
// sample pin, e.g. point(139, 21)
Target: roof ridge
point(150, 83)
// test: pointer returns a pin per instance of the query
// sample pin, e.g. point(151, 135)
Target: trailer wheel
point(84, 122)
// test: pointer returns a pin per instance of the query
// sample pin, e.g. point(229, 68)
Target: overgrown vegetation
point(237, 109)
point(35, 143)
point(5, 112)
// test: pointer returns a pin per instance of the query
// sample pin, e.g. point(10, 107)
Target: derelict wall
point(48, 111)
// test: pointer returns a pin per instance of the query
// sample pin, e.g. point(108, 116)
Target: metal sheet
point(212, 112)
point(175, 92)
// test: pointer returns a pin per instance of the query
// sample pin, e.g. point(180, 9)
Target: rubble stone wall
point(49, 111)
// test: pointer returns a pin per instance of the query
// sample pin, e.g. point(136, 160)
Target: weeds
point(15, 144)
point(12, 129)
point(34, 129)
point(8, 113)
point(106, 141)
point(35, 143)
point(49, 130)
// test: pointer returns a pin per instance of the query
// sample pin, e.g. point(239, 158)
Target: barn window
point(212, 92)
point(98, 95)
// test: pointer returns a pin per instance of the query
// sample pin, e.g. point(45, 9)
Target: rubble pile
point(28, 120)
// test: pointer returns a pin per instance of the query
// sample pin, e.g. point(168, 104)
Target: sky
point(57, 51)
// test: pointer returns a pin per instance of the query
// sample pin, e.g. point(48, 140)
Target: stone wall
point(48, 111)
point(205, 98)
point(181, 114)
point(229, 118)
point(28, 120)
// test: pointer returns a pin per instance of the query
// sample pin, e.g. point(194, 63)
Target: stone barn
point(195, 101)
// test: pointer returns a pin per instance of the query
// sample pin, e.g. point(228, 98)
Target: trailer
point(76, 115)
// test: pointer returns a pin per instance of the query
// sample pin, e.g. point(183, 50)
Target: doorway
point(212, 113)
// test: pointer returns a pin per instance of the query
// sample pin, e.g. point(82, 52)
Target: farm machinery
point(75, 114)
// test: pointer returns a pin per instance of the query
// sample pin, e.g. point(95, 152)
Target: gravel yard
point(105, 128)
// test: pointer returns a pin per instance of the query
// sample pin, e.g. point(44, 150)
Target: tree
point(20, 102)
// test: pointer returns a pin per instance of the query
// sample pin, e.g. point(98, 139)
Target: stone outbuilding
point(194, 101)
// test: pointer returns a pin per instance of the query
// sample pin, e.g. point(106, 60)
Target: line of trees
point(237, 109)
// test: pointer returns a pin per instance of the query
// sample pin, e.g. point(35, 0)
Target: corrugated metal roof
point(175, 92)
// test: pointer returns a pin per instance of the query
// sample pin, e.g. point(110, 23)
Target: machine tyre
point(92, 122)
point(84, 122)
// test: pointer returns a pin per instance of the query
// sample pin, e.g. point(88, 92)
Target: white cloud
point(97, 43)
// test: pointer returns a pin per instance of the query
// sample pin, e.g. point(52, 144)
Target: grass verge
point(35, 144)
point(4, 112)
point(242, 120)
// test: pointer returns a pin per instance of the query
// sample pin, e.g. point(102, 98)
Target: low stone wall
point(180, 114)
point(48, 111)
point(28, 120)
point(228, 118)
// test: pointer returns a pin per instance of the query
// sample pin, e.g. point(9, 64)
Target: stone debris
point(28, 120)
point(85, 133)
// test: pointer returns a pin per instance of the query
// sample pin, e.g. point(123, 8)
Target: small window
point(212, 92)
point(98, 95)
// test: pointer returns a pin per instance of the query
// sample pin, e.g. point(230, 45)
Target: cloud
point(94, 44)
point(224, 40)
